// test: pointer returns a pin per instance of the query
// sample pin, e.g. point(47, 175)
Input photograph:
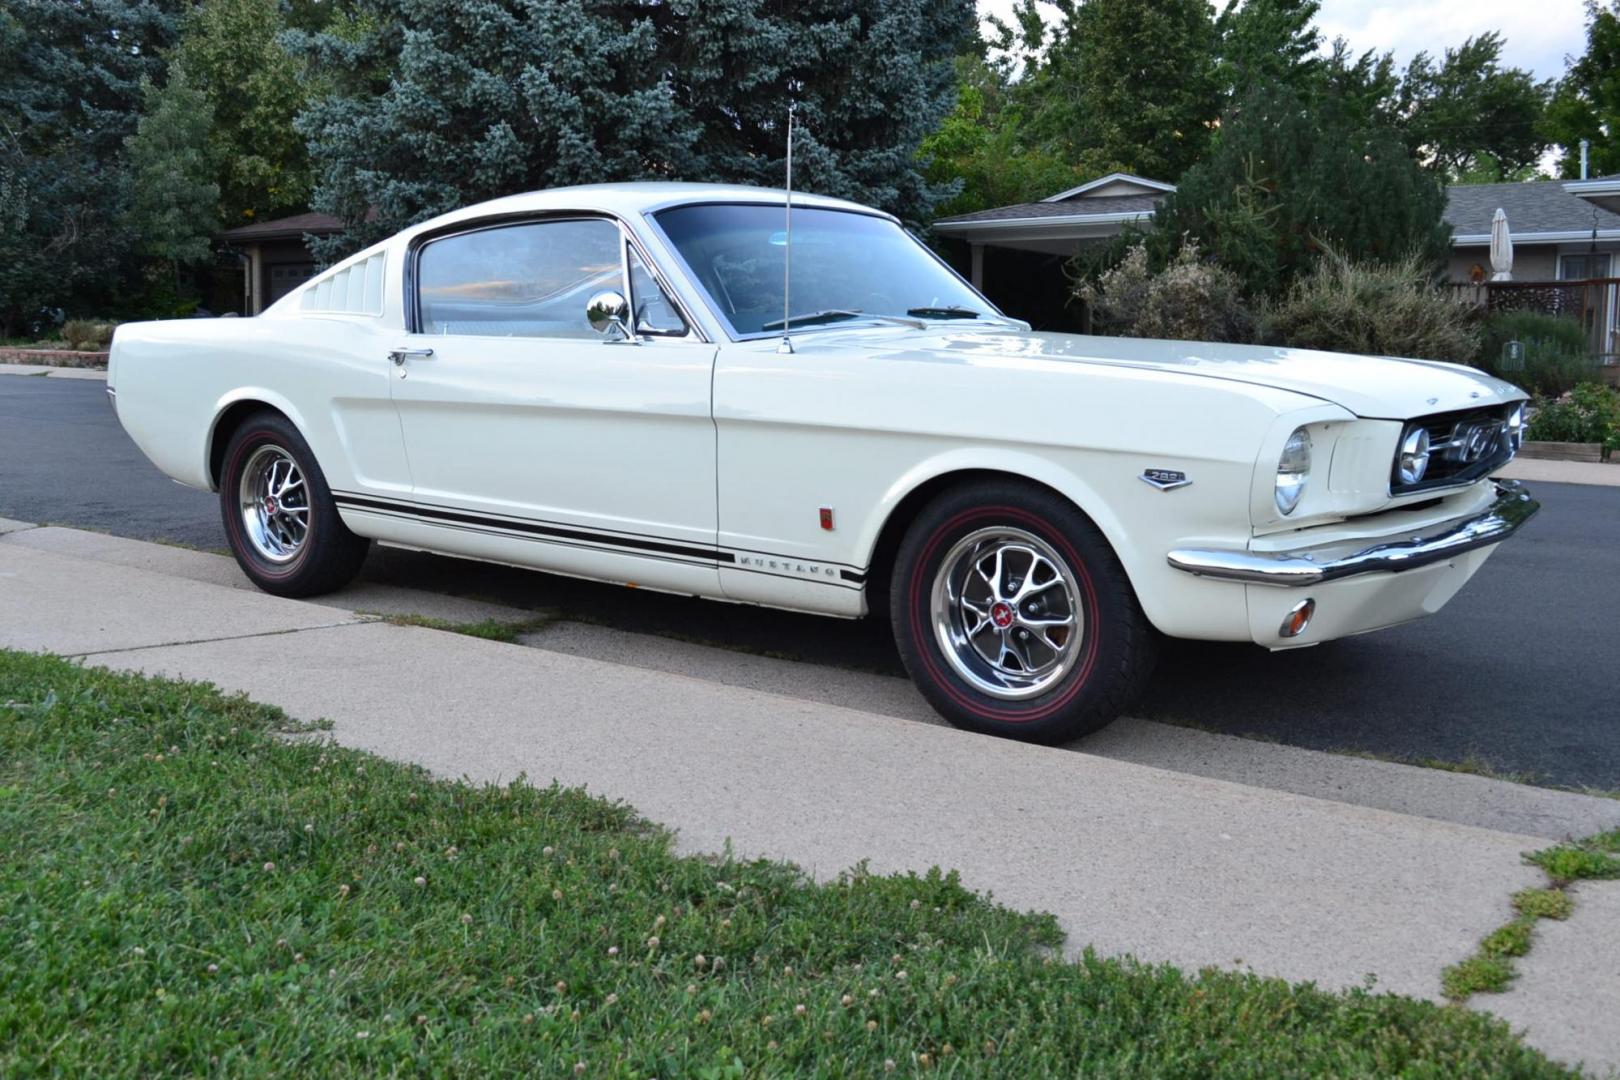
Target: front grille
point(1463, 447)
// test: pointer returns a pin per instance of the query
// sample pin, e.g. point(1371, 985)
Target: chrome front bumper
point(1512, 508)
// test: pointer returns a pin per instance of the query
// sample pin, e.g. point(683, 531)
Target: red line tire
point(321, 555)
point(982, 679)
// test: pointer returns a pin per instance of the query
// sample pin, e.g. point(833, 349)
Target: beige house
point(1566, 244)
point(1566, 251)
point(1563, 230)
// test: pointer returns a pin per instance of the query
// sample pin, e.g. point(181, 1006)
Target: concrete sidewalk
point(1131, 858)
point(1540, 470)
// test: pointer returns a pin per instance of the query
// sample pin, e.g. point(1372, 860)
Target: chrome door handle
point(398, 355)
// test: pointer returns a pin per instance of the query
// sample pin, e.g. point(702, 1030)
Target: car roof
point(630, 200)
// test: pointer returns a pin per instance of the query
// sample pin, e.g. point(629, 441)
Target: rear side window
point(529, 280)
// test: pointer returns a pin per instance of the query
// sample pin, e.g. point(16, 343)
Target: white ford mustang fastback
point(594, 381)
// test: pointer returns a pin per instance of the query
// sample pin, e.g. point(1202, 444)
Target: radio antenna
point(787, 243)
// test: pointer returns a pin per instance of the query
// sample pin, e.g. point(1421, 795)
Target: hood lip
point(1491, 389)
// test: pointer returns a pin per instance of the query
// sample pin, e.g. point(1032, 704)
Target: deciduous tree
point(1466, 106)
point(983, 145)
point(1586, 104)
point(231, 52)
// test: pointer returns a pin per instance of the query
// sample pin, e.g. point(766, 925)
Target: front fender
point(1140, 522)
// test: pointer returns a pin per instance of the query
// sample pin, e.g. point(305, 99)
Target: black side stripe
point(419, 507)
point(538, 529)
point(706, 562)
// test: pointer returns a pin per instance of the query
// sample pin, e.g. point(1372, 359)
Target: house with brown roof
point(275, 258)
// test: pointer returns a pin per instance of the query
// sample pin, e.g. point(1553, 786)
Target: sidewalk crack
point(229, 637)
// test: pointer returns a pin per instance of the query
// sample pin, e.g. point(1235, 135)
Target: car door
point(533, 438)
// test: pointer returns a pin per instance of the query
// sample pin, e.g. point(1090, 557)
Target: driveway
point(1516, 673)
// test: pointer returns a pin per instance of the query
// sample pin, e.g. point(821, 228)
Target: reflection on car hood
point(1369, 386)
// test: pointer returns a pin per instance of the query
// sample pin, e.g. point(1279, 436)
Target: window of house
point(529, 280)
point(1583, 267)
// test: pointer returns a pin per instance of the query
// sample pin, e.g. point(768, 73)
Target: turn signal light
point(1298, 618)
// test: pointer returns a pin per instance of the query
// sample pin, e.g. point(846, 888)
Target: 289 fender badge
point(1165, 479)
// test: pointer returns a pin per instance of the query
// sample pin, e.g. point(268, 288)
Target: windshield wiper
point(828, 315)
point(951, 312)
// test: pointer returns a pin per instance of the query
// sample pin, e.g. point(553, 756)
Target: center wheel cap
point(1002, 615)
point(270, 504)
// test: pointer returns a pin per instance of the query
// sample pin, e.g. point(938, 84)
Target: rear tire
point(1014, 616)
point(280, 520)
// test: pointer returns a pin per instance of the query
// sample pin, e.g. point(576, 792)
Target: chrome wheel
point(275, 504)
point(1006, 612)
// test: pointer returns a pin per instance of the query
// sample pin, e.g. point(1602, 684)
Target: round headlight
point(1516, 427)
point(1293, 469)
point(1414, 459)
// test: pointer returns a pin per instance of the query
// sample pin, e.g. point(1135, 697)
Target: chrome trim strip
point(1311, 566)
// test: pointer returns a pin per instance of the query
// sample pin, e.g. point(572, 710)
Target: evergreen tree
point(1586, 104)
point(175, 208)
point(70, 93)
point(1127, 84)
point(1269, 42)
point(871, 79)
point(440, 103)
point(1292, 175)
point(1366, 87)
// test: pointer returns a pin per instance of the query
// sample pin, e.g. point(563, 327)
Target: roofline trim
point(1043, 224)
point(1607, 186)
point(1156, 185)
point(1569, 236)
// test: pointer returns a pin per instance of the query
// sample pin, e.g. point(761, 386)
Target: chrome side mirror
point(609, 314)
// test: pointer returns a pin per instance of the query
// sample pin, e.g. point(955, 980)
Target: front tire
point(1014, 616)
point(280, 520)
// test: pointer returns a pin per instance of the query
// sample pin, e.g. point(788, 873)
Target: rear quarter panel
point(329, 374)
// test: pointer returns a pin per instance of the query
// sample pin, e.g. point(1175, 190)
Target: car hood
point(1376, 387)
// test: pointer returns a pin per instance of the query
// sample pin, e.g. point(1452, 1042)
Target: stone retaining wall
point(54, 358)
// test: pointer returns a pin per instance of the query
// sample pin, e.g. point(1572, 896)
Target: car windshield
point(846, 266)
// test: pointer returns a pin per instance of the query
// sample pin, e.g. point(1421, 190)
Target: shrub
point(88, 335)
point(1590, 413)
point(1380, 309)
point(1192, 299)
point(1555, 352)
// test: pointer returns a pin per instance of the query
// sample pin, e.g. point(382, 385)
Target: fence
point(1594, 303)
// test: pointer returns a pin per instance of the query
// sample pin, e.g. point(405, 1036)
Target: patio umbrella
point(1501, 248)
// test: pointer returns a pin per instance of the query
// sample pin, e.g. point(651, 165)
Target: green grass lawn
point(183, 889)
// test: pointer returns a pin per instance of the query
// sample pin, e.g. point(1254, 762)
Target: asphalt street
point(1518, 672)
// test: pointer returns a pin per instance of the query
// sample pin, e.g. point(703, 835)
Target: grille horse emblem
point(1476, 441)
